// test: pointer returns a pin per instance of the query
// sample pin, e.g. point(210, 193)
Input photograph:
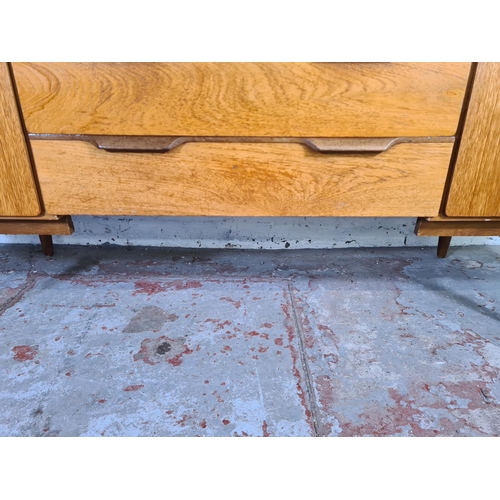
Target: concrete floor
point(117, 341)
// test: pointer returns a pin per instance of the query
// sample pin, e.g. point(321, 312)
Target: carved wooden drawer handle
point(163, 144)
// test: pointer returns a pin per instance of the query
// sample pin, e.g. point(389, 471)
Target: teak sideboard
point(251, 139)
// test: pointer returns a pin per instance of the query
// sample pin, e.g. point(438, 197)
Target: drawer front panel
point(242, 180)
point(243, 99)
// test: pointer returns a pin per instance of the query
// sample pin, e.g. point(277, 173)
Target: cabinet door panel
point(18, 193)
point(475, 186)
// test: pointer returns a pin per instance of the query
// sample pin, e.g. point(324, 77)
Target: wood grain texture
point(475, 185)
point(243, 99)
point(38, 217)
point(457, 228)
point(444, 218)
point(18, 194)
point(64, 225)
point(242, 180)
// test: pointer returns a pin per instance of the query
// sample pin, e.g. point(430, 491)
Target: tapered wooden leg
point(443, 245)
point(47, 246)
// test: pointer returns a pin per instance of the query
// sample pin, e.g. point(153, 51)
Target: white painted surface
point(247, 232)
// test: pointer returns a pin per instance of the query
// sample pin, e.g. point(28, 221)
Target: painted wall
point(246, 232)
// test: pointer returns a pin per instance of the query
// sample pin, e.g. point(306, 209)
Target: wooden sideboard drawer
point(241, 180)
point(242, 99)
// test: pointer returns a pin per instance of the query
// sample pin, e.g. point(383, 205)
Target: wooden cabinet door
point(475, 185)
point(18, 193)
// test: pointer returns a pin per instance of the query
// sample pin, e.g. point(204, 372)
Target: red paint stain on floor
point(218, 396)
point(265, 432)
point(288, 323)
point(326, 329)
point(177, 361)
point(390, 420)
point(309, 336)
point(182, 421)
point(325, 392)
point(236, 303)
point(25, 352)
point(162, 349)
point(219, 325)
point(133, 387)
point(472, 390)
point(91, 354)
point(152, 287)
point(404, 413)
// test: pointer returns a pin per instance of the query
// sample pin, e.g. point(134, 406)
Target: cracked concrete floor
point(114, 341)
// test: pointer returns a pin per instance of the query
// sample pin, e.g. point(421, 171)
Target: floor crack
point(305, 366)
point(16, 298)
